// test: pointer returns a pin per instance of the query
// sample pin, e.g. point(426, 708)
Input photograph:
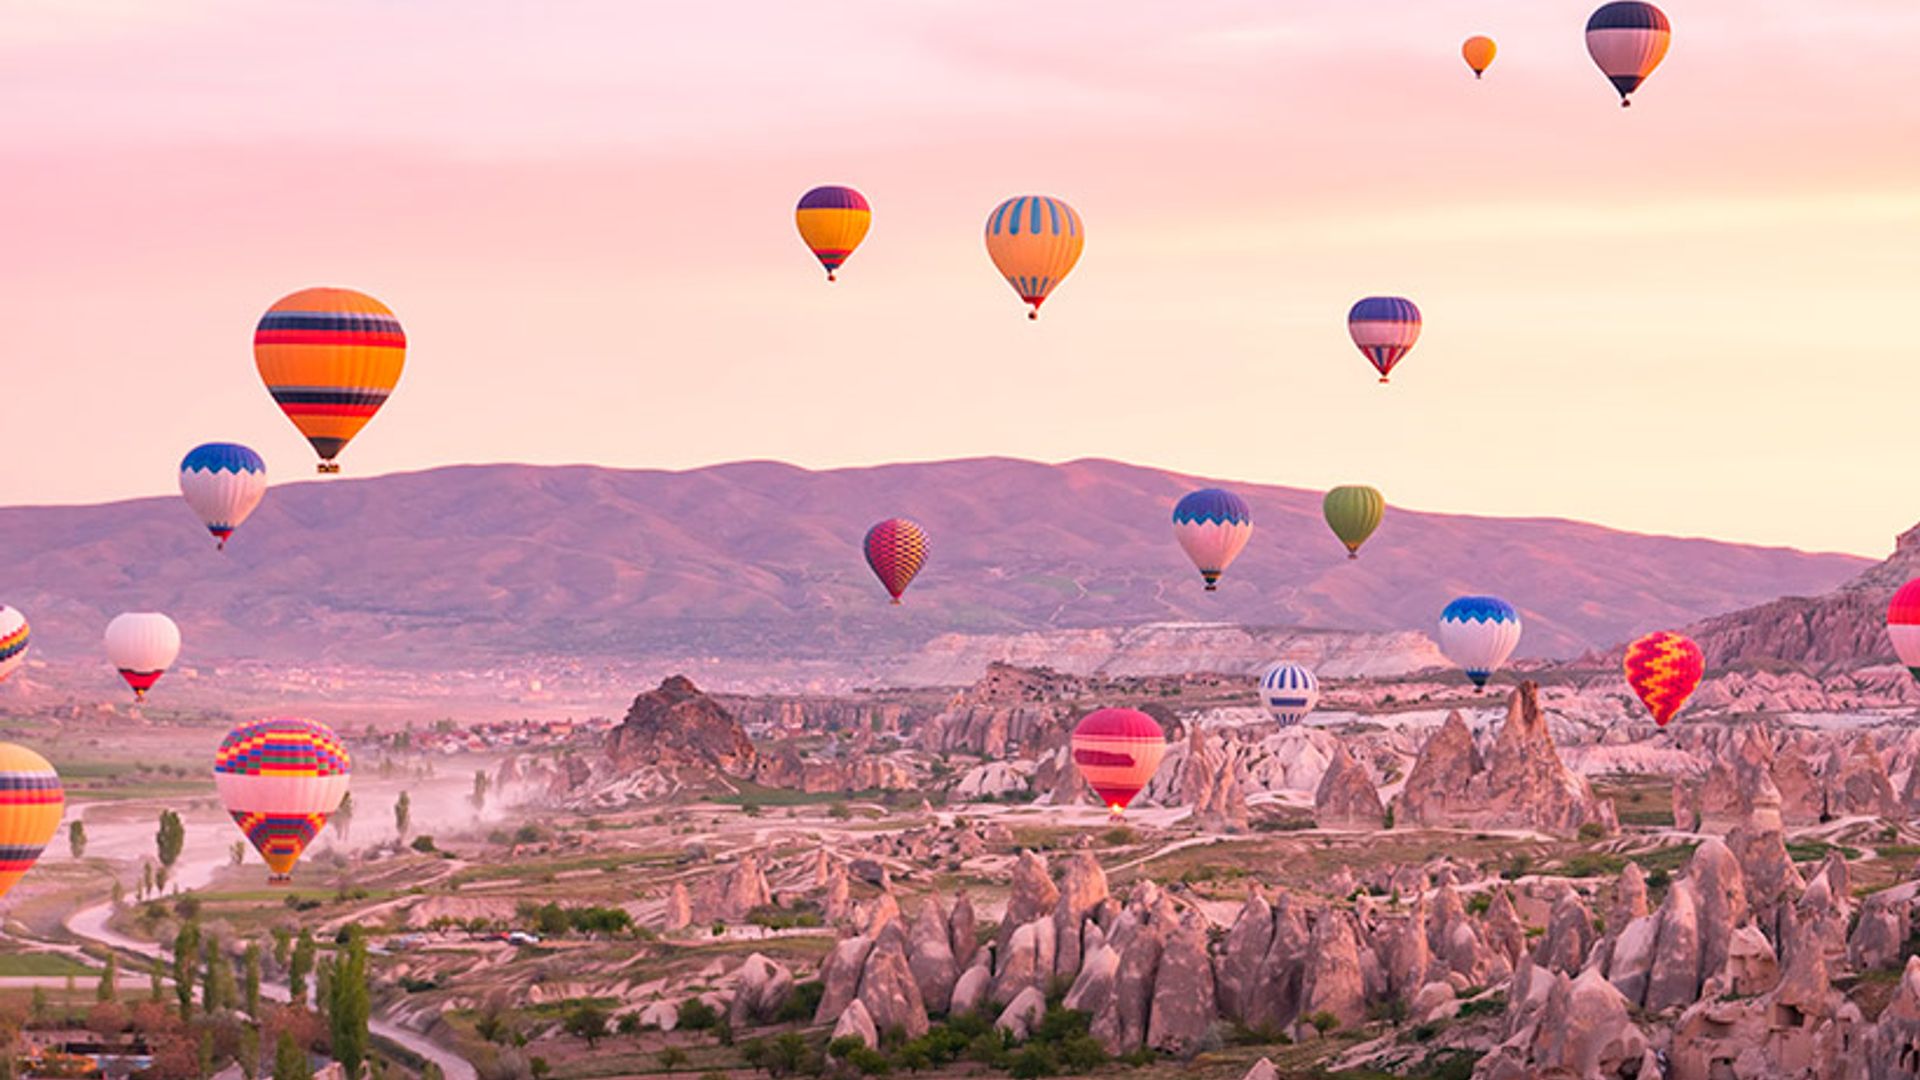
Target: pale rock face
point(1082, 888)
point(1629, 896)
point(992, 779)
point(1893, 1048)
point(1209, 782)
point(1272, 999)
point(1752, 968)
point(1406, 957)
point(679, 907)
point(1022, 1014)
point(1885, 923)
point(1630, 965)
point(1026, 962)
point(854, 1021)
point(1183, 993)
point(1245, 950)
point(1569, 937)
point(1674, 978)
point(1262, 1070)
point(1121, 1026)
point(930, 956)
point(1346, 797)
point(663, 1015)
point(970, 990)
point(1859, 784)
point(1759, 845)
point(840, 976)
point(963, 931)
point(1506, 934)
point(1569, 1027)
point(1522, 782)
point(1801, 1028)
point(838, 906)
point(1093, 987)
point(1032, 896)
point(744, 888)
point(887, 986)
point(1333, 981)
point(760, 987)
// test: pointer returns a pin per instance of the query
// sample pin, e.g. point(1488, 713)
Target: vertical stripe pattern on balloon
point(1034, 241)
point(1290, 692)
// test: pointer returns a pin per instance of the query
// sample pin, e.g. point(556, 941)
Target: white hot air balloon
point(223, 482)
point(142, 644)
point(13, 641)
point(1290, 692)
point(1213, 526)
point(1479, 633)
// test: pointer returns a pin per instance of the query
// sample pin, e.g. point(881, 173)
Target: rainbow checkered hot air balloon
point(281, 779)
point(1034, 240)
point(1117, 752)
point(330, 357)
point(1664, 668)
point(31, 802)
point(1903, 625)
point(14, 636)
point(1213, 527)
point(832, 221)
point(896, 550)
point(1385, 329)
point(1627, 40)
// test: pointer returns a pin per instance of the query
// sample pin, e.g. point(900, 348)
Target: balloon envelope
point(1478, 52)
point(1903, 625)
point(1627, 41)
point(1384, 328)
point(1479, 633)
point(896, 550)
point(1034, 241)
point(832, 221)
point(1290, 692)
point(281, 779)
point(1117, 751)
point(143, 645)
point(14, 636)
point(31, 802)
point(1213, 527)
point(330, 357)
point(1664, 668)
point(1353, 512)
point(223, 482)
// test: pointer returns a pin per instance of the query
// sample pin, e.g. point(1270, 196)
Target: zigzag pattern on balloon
point(1664, 669)
point(279, 838)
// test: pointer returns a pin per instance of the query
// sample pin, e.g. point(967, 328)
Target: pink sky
point(1685, 317)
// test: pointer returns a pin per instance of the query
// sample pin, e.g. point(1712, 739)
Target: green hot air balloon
point(1353, 512)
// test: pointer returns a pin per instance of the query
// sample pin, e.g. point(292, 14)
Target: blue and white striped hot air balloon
point(223, 482)
point(1290, 692)
point(1212, 526)
point(1479, 633)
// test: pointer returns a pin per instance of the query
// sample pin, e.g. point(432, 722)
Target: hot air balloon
point(1290, 692)
point(142, 644)
point(223, 482)
point(1034, 240)
point(1628, 40)
point(896, 549)
point(1664, 668)
point(1116, 751)
point(1478, 52)
point(13, 641)
point(1903, 625)
point(833, 220)
point(1384, 327)
point(31, 802)
point(1212, 526)
point(1353, 511)
point(330, 357)
point(1479, 633)
point(280, 779)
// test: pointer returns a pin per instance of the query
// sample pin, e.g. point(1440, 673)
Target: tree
point(168, 842)
point(108, 990)
point(402, 814)
point(299, 968)
point(587, 1021)
point(237, 853)
point(282, 945)
point(671, 1058)
point(146, 879)
point(218, 993)
point(351, 1007)
point(323, 985)
point(480, 786)
point(77, 838)
point(247, 1053)
point(251, 986)
point(186, 950)
point(343, 816)
point(290, 1060)
point(157, 990)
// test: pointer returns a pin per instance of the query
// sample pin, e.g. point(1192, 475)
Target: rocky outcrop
point(1892, 1050)
point(1857, 783)
point(679, 911)
point(1082, 888)
point(930, 956)
point(1346, 798)
point(855, 1022)
point(1333, 980)
point(760, 988)
point(1007, 707)
point(743, 889)
point(1569, 936)
point(1032, 896)
point(1209, 782)
point(1583, 1029)
point(1183, 991)
point(675, 725)
point(1022, 1014)
point(1882, 931)
point(1522, 783)
point(887, 986)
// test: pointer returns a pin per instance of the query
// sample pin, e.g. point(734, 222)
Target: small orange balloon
point(1478, 51)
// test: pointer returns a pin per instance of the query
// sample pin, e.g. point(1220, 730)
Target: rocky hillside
point(758, 563)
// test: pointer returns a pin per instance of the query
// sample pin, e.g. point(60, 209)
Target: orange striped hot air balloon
point(1664, 668)
point(1117, 752)
point(31, 802)
point(1034, 241)
point(330, 357)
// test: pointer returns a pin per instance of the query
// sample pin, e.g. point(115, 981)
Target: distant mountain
point(473, 566)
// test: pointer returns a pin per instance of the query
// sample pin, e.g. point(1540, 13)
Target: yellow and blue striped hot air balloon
point(281, 779)
point(330, 357)
point(31, 803)
point(833, 220)
point(1034, 240)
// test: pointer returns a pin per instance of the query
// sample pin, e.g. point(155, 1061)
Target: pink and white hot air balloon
point(142, 645)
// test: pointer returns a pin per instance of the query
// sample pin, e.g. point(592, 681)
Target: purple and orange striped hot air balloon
point(1117, 752)
point(330, 357)
point(896, 549)
point(832, 221)
point(31, 803)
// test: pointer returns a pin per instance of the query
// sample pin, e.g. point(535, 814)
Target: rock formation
point(1522, 782)
point(1346, 798)
point(1209, 783)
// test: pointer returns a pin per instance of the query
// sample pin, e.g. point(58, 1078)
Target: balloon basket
point(280, 879)
point(328, 468)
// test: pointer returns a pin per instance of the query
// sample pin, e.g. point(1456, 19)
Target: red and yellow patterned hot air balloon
point(833, 220)
point(1034, 240)
point(1903, 625)
point(896, 549)
point(1664, 668)
point(330, 357)
point(281, 779)
point(31, 802)
point(1117, 751)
